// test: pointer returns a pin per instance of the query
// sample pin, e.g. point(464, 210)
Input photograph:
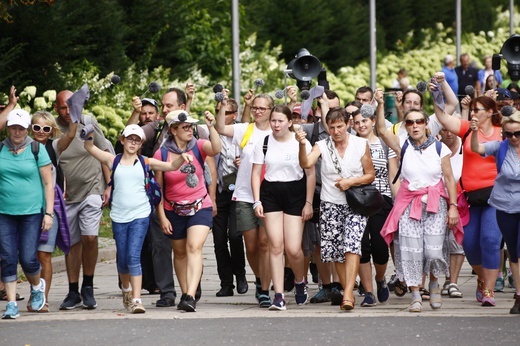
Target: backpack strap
point(247, 135)
point(35, 148)
point(395, 128)
point(117, 160)
point(438, 148)
point(266, 143)
point(502, 152)
point(463, 140)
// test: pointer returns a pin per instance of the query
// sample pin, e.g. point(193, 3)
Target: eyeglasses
point(38, 128)
point(187, 128)
point(410, 122)
point(352, 114)
point(134, 140)
point(476, 110)
point(261, 110)
point(511, 134)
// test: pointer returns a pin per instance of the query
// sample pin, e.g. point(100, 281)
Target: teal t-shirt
point(21, 187)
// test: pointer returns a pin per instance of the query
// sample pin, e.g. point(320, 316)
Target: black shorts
point(288, 197)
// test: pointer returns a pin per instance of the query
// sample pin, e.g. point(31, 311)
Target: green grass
point(105, 230)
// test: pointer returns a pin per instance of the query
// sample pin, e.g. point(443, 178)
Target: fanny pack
point(188, 209)
point(229, 182)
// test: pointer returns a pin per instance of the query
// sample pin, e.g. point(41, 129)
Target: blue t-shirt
point(21, 187)
point(451, 78)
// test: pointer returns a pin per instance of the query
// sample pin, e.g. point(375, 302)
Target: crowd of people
point(270, 185)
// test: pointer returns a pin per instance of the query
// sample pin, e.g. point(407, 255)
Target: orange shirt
point(478, 172)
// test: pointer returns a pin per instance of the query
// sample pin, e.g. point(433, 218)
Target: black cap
point(148, 101)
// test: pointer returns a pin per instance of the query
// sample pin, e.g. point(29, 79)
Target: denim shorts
point(50, 244)
point(180, 224)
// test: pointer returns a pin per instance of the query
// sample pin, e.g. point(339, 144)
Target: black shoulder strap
point(266, 142)
point(35, 148)
point(403, 150)
point(463, 140)
point(117, 159)
point(315, 133)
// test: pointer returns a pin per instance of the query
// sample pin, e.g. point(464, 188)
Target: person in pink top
point(187, 213)
point(422, 208)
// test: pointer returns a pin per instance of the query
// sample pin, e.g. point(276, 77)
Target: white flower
point(39, 104)
point(50, 95)
point(31, 91)
point(491, 34)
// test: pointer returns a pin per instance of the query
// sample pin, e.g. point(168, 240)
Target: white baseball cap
point(19, 117)
point(133, 130)
point(180, 116)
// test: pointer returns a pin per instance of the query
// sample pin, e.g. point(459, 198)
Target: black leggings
point(372, 243)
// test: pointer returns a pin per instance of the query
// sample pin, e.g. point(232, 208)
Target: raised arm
point(220, 122)
point(306, 161)
point(65, 140)
point(451, 99)
point(190, 92)
point(136, 104)
point(449, 122)
point(13, 101)
point(248, 102)
point(392, 140)
point(475, 145)
point(214, 146)
point(104, 157)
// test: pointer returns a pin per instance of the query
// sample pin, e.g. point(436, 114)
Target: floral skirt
point(341, 231)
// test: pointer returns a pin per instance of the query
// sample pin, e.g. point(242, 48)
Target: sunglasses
point(45, 129)
point(227, 112)
point(410, 122)
point(187, 128)
point(511, 134)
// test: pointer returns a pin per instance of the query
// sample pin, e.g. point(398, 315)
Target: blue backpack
point(502, 151)
point(153, 190)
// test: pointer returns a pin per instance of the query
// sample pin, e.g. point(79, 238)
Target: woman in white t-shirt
point(341, 229)
point(284, 200)
point(422, 208)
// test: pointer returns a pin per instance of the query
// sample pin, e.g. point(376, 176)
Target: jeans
point(19, 238)
point(224, 228)
point(482, 238)
point(129, 237)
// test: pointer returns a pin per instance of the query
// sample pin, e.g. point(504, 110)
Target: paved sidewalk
point(110, 305)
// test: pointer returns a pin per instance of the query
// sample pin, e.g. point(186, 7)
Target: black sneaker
point(71, 301)
point(361, 289)
point(336, 297)
point(87, 294)
point(198, 292)
point(183, 297)
point(242, 285)
point(300, 294)
point(188, 304)
point(165, 302)
point(314, 272)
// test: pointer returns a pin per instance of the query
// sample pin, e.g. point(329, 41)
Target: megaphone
point(511, 53)
point(305, 66)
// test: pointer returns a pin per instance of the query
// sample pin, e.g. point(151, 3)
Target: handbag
point(365, 200)
point(480, 197)
point(228, 182)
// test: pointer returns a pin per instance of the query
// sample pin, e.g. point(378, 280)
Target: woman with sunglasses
point(43, 129)
point(506, 191)
point(482, 235)
point(372, 244)
point(187, 215)
point(425, 203)
point(26, 209)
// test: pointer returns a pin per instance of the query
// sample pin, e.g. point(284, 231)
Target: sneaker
point(361, 289)
point(370, 300)
point(335, 296)
point(383, 293)
point(71, 301)
point(87, 294)
point(127, 300)
point(300, 293)
point(510, 281)
point(288, 282)
point(137, 308)
point(391, 282)
point(37, 299)
point(258, 288)
point(499, 285)
point(488, 298)
point(264, 301)
point(322, 296)
point(516, 307)
point(11, 311)
point(188, 304)
point(165, 302)
point(454, 291)
point(183, 297)
point(415, 306)
point(278, 303)
point(478, 292)
point(445, 288)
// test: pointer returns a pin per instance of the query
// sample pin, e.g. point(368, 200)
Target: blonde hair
point(513, 118)
point(49, 120)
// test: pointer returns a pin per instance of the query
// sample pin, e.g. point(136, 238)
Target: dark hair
point(489, 104)
point(513, 86)
point(285, 111)
point(354, 103)
point(337, 114)
point(331, 95)
point(412, 91)
point(365, 89)
point(181, 96)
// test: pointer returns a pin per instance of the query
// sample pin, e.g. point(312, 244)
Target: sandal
point(400, 288)
point(3, 296)
point(435, 299)
point(425, 294)
point(415, 306)
point(454, 292)
point(347, 304)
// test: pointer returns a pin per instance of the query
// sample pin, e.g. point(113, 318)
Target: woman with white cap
point(130, 207)
point(26, 209)
point(187, 213)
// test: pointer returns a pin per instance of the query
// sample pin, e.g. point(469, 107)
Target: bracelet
point(49, 214)
point(309, 203)
point(454, 204)
point(256, 204)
